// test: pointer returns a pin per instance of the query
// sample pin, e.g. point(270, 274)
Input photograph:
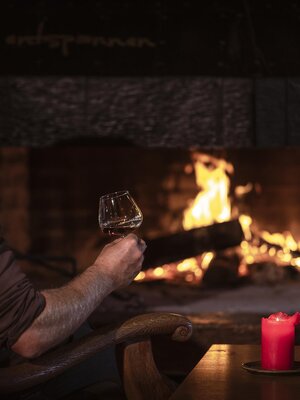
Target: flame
point(240, 191)
point(246, 222)
point(265, 246)
point(285, 240)
point(212, 204)
point(206, 260)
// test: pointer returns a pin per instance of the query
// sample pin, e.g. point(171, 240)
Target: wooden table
point(220, 376)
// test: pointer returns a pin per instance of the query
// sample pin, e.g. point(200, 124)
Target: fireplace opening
point(248, 259)
point(247, 196)
point(178, 190)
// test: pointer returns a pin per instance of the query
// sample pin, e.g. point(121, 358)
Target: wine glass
point(119, 214)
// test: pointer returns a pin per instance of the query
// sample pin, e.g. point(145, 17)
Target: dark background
point(151, 74)
point(217, 38)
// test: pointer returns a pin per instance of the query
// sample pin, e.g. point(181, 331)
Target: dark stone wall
point(277, 112)
point(146, 112)
point(173, 112)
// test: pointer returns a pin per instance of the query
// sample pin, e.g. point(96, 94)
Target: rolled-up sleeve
point(20, 302)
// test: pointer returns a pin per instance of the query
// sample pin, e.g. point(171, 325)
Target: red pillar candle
point(278, 340)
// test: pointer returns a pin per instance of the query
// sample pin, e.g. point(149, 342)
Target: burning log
point(181, 245)
point(223, 270)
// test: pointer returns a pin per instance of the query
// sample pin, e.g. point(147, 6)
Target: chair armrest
point(34, 372)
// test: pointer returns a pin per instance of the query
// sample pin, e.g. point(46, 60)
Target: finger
point(141, 244)
point(138, 270)
point(116, 241)
point(140, 262)
point(132, 236)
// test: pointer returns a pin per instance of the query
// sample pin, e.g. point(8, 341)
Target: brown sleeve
point(20, 303)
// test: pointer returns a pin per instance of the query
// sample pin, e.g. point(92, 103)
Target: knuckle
point(132, 236)
point(131, 240)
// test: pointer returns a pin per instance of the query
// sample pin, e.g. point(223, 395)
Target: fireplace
point(95, 146)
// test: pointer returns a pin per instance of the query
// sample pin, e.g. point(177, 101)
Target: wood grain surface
point(219, 376)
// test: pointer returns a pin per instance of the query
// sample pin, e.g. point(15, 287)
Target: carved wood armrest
point(34, 372)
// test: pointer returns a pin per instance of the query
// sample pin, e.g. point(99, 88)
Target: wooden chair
point(140, 376)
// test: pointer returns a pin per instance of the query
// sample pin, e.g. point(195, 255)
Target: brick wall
point(66, 183)
point(15, 197)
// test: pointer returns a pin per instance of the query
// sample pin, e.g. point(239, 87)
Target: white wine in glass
point(119, 214)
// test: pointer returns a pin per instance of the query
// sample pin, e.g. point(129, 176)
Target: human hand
point(122, 259)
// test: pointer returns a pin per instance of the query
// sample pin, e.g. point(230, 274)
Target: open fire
point(213, 204)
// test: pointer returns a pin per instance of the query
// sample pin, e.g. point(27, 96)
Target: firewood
point(181, 245)
point(222, 271)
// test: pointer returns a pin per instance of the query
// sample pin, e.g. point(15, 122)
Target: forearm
point(66, 309)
